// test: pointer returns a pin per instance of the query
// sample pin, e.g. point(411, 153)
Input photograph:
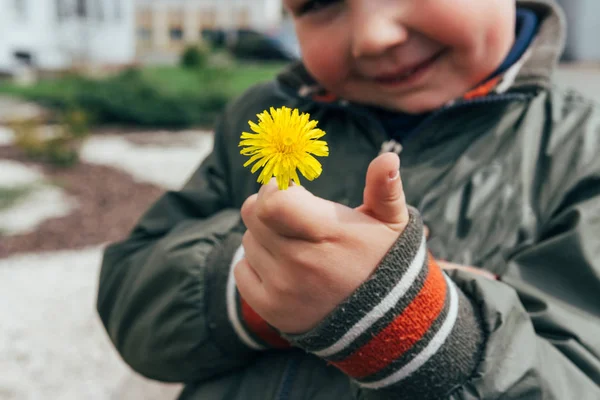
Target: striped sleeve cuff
point(250, 327)
point(407, 325)
point(235, 326)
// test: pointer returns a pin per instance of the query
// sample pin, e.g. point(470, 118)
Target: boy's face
point(406, 55)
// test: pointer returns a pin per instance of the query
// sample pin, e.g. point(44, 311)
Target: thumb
point(383, 197)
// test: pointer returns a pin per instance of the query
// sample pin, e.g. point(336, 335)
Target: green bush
point(60, 147)
point(256, 47)
point(28, 137)
point(61, 151)
point(129, 99)
point(195, 56)
point(169, 97)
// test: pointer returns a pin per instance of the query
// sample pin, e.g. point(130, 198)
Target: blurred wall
point(166, 26)
point(57, 34)
point(583, 29)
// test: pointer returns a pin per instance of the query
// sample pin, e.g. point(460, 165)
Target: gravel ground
point(41, 202)
point(104, 202)
point(52, 344)
point(158, 161)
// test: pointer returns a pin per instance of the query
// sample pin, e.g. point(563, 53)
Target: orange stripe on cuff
point(261, 328)
point(403, 332)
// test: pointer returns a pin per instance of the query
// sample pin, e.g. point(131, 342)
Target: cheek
point(456, 32)
point(469, 25)
point(327, 60)
point(478, 37)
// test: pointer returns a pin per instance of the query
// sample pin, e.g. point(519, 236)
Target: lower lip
point(413, 78)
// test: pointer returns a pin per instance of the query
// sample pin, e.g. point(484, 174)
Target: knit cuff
point(234, 324)
point(408, 323)
point(250, 327)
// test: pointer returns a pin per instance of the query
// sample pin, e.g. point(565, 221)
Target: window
point(144, 39)
point(176, 23)
point(176, 33)
point(24, 58)
point(144, 34)
point(81, 8)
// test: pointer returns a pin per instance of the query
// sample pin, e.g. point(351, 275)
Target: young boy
point(331, 291)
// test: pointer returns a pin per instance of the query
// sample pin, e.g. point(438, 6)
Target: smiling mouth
point(407, 74)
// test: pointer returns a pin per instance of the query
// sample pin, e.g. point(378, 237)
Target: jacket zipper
point(287, 380)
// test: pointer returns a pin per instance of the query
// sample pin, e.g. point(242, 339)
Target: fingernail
point(393, 175)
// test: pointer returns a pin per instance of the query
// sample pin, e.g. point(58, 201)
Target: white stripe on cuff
point(232, 313)
point(389, 302)
point(434, 345)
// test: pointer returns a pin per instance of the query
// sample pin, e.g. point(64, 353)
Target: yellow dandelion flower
point(283, 141)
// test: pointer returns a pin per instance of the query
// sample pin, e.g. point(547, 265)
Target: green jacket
point(509, 183)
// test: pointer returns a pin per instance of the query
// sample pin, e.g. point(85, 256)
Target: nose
point(374, 31)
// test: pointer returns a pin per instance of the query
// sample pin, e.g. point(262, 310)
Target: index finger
point(296, 213)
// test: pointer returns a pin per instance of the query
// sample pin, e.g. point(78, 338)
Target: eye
point(311, 6)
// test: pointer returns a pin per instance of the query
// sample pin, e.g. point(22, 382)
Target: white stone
point(7, 136)
point(14, 174)
point(169, 167)
point(42, 203)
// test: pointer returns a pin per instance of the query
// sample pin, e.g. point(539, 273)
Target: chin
point(417, 106)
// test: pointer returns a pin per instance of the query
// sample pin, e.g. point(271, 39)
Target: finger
point(383, 195)
point(449, 266)
point(266, 236)
point(296, 213)
point(261, 260)
point(269, 188)
point(249, 284)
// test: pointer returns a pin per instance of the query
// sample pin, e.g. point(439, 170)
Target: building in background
point(52, 35)
point(165, 26)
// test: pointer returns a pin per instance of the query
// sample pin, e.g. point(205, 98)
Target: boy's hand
point(305, 255)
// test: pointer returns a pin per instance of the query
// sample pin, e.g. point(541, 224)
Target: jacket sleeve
point(408, 332)
point(163, 292)
point(543, 321)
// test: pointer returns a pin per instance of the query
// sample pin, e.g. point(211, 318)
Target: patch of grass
point(151, 96)
point(251, 74)
point(11, 196)
point(44, 88)
point(170, 79)
point(239, 77)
